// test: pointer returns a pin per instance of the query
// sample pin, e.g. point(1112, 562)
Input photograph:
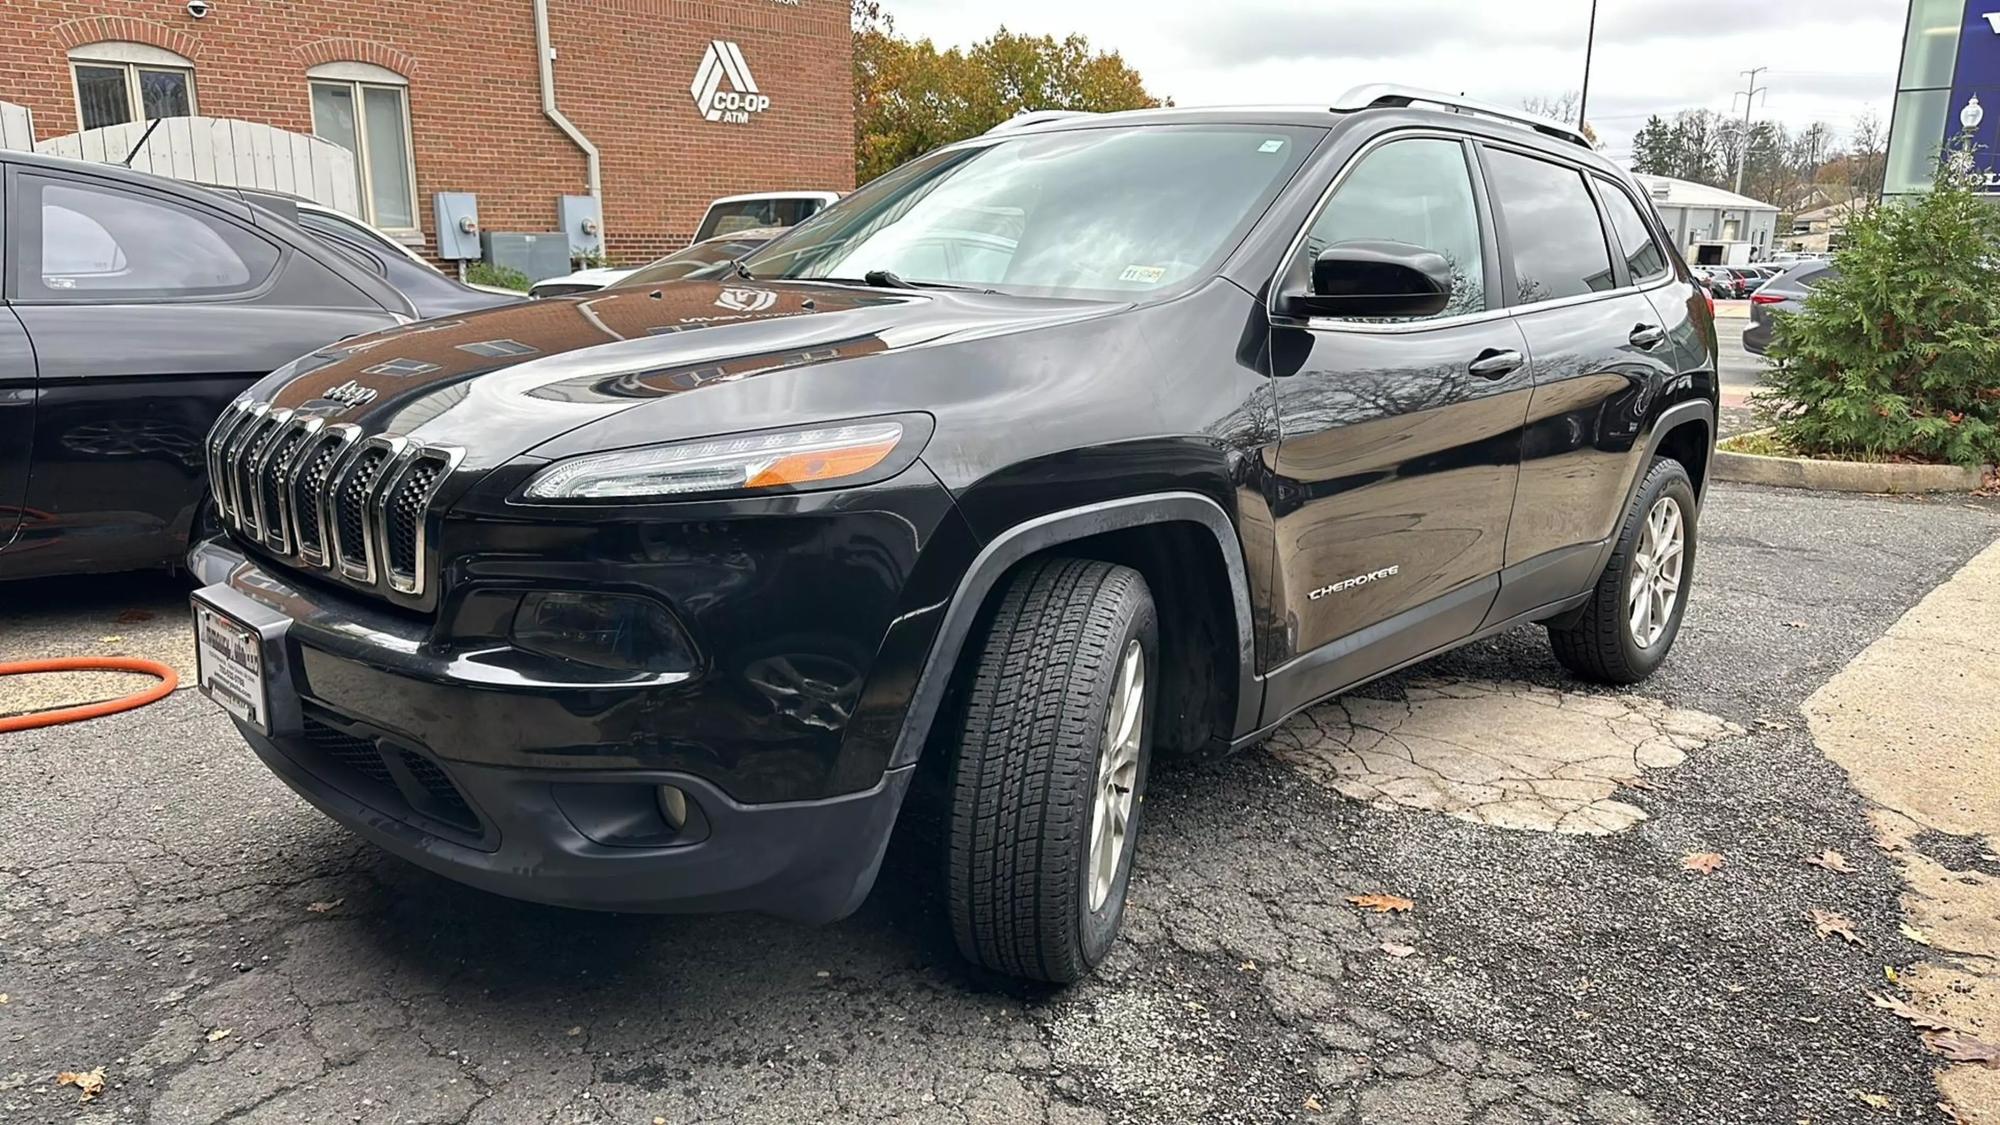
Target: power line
point(1749, 97)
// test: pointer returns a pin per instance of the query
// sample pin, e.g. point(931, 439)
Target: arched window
point(120, 82)
point(365, 109)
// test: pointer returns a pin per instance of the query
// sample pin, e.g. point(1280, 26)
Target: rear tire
point(1056, 737)
point(1616, 639)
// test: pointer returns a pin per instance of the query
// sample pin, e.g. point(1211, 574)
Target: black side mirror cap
point(1370, 279)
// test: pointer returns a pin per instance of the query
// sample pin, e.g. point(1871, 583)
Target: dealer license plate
point(229, 663)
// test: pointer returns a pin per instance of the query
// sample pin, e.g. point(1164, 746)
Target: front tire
point(1634, 614)
point(1048, 776)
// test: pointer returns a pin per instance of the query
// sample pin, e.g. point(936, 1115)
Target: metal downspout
point(545, 54)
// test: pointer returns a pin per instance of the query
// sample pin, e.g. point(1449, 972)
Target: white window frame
point(358, 77)
point(132, 58)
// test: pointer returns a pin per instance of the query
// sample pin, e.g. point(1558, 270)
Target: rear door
point(1601, 355)
point(148, 312)
point(1400, 439)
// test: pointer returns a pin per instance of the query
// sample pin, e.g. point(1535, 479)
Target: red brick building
point(685, 100)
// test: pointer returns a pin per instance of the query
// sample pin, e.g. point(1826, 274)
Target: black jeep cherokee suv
point(1047, 453)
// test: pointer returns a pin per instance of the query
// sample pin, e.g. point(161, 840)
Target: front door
point(1400, 440)
point(17, 420)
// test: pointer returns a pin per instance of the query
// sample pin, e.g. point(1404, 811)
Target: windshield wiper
point(890, 279)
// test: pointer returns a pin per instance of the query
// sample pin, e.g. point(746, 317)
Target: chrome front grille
point(325, 498)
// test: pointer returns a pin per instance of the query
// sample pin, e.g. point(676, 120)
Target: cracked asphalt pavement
point(171, 913)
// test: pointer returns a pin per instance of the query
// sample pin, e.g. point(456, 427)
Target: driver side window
point(1419, 192)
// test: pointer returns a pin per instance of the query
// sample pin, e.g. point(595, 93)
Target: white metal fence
point(226, 151)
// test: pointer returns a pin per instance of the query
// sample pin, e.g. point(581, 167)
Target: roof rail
point(1378, 95)
point(1036, 117)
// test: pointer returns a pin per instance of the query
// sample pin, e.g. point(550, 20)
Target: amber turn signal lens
point(808, 468)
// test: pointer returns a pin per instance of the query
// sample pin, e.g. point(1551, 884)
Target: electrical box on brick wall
point(582, 218)
point(539, 255)
point(457, 224)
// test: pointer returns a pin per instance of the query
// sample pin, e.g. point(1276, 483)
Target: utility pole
point(1749, 97)
point(1589, 44)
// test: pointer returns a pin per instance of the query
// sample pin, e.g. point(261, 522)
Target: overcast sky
point(1829, 59)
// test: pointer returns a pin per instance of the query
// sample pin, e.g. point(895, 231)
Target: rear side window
point(1551, 228)
point(1417, 192)
point(104, 243)
point(1635, 239)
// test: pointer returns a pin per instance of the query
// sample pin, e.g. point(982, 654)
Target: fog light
point(616, 631)
point(674, 806)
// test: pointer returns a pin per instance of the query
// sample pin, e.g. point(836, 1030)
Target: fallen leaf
point(1831, 924)
point(1917, 1017)
point(1737, 987)
point(1247, 967)
point(134, 616)
point(1380, 903)
point(1960, 1047)
point(574, 1032)
point(111, 640)
point(3, 998)
point(219, 1034)
point(91, 1082)
point(1704, 862)
point(1394, 949)
point(323, 907)
point(1889, 974)
point(1913, 933)
point(1875, 1101)
point(1312, 1104)
point(659, 1121)
point(1831, 860)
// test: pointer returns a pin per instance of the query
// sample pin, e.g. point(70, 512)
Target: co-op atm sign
point(722, 65)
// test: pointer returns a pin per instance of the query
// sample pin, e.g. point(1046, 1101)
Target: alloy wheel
point(1655, 586)
point(1117, 774)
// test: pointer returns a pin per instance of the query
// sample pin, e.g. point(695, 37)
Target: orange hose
point(169, 680)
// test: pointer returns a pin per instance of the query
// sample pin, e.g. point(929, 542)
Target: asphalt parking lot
point(170, 913)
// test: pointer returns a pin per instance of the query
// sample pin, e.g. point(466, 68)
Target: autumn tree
point(911, 97)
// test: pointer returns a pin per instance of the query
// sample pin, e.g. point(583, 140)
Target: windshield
point(699, 260)
point(728, 218)
point(1116, 212)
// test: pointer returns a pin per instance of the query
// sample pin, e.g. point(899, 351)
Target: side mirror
point(1370, 279)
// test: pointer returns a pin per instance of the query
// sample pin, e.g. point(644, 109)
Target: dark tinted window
point(1418, 192)
point(1551, 228)
point(694, 260)
point(102, 242)
point(1635, 239)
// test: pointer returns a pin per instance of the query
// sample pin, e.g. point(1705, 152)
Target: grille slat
point(308, 499)
point(403, 516)
point(350, 510)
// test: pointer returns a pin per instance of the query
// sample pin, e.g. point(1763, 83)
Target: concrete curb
point(1844, 476)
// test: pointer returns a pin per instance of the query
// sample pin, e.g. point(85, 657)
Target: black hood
point(501, 381)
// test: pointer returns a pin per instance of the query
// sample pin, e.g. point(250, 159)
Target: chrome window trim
point(1337, 324)
point(450, 456)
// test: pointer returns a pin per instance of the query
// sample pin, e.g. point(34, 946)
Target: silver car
point(1786, 292)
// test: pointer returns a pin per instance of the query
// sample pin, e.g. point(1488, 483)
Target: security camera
point(198, 8)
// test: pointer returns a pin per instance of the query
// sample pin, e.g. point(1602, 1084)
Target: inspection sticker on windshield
point(1147, 274)
point(229, 666)
point(1272, 145)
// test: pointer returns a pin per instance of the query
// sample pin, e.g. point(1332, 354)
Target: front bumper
point(577, 836)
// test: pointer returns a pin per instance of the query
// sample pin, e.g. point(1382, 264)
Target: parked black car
point(428, 288)
point(1050, 450)
point(136, 307)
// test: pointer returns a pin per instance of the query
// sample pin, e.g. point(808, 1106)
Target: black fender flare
point(1052, 530)
point(1669, 420)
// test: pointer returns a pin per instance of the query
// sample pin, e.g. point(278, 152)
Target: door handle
point(1495, 363)
point(1648, 336)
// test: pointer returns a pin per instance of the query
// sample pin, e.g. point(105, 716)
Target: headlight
point(782, 459)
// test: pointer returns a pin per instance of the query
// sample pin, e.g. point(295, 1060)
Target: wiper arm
point(737, 267)
point(889, 279)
